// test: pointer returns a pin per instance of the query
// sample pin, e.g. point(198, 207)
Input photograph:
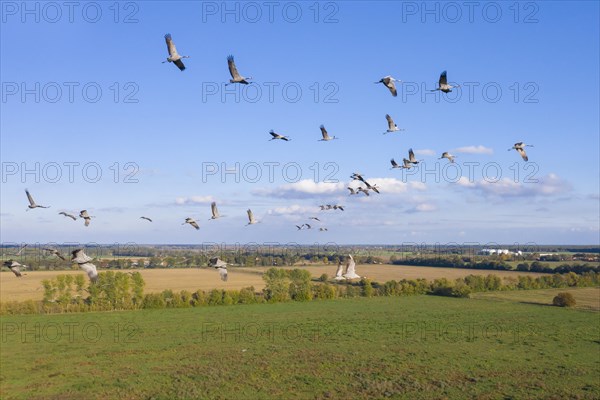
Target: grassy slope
point(353, 348)
point(586, 298)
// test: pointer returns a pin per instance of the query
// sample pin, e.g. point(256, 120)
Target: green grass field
point(586, 298)
point(399, 347)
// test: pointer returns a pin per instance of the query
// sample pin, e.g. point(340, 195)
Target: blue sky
point(171, 127)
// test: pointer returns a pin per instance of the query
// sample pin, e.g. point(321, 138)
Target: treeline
point(537, 266)
point(496, 265)
point(125, 291)
point(455, 262)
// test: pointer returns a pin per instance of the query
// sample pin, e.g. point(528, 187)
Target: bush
point(227, 298)
point(247, 295)
point(352, 291)
point(186, 299)
point(300, 285)
point(461, 290)
point(523, 267)
point(367, 288)
point(391, 288)
point(564, 299)
point(324, 291)
point(324, 278)
point(215, 297)
point(199, 298)
point(277, 285)
point(442, 291)
point(153, 300)
point(171, 299)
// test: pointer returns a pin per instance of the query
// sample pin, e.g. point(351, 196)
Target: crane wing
point(78, 256)
point(232, 68)
point(16, 270)
point(171, 46)
point(392, 86)
point(217, 262)
point(390, 122)
point(443, 79)
point(324, 132)
point(411, 155)
point(340, 270)
point(179, 64)
point(351, 268)
point(29, 198)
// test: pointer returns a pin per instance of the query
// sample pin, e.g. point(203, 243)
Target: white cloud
point(550, 184)
point(422, 207)
point(425, 207)
point(474, 150)
point(464, 181)
point(293, 209)
point(305, 188)
point(194, 200)
point(425, 152)
point(417, 185)
point(389, 185)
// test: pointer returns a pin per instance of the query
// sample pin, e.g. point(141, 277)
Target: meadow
point(586, 298)
point(413, 347)
point(30, 285)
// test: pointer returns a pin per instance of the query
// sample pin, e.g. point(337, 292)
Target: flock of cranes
point(412, 160)
point(77, 257)
point(389, 82)
point(80, 258)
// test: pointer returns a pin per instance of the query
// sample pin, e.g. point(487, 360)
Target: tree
point(137, 288)
point(215, 297)
point(367, 288)
point(299, 286)
point(247, 295)
point(564, 299)
point(277, 285)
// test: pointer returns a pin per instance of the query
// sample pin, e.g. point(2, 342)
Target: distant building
point(490, 252)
